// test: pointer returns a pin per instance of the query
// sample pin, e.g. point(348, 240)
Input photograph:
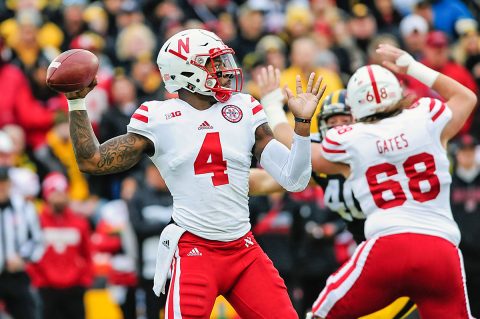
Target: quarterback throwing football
point(202, 144)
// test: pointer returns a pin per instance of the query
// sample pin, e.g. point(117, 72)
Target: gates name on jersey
point(404, 189)
point(204, 157)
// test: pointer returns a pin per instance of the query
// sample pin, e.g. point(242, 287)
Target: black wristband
point(300, 120)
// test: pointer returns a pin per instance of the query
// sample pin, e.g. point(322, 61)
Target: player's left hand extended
point(304, 104)
point(268, 80)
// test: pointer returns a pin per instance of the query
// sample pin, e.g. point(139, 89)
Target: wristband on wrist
point(300, 120)
point(76, 105)
point(418, 70)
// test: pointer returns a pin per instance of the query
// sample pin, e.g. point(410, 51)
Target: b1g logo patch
point(232, 113)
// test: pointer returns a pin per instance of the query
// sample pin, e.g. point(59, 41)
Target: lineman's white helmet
point(372, 89)
point(183, 58)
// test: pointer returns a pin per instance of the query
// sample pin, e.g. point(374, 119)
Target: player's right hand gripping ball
point(72, 70)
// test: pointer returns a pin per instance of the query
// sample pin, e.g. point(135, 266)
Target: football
point(72, 70)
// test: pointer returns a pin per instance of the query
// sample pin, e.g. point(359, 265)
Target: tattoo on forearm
point(118, 154)
point(115, 155)
point(84, 142)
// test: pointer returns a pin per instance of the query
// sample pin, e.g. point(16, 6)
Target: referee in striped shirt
point(20, 242)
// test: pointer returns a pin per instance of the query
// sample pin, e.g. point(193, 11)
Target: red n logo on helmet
point(185, 46)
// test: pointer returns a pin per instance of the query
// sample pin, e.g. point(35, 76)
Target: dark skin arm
point(115, 155)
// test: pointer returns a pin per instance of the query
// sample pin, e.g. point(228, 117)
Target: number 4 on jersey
point(210, 160)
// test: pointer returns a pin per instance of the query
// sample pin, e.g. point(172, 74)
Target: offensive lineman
point(202, 144)
point(338, 195)
point(396, 160)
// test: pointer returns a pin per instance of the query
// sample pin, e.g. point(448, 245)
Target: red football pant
point(428, 269)
point(239, 270)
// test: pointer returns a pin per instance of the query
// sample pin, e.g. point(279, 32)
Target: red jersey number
point(419, 169)
point(210, 160)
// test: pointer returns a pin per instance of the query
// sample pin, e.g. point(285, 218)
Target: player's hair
point(397, 108)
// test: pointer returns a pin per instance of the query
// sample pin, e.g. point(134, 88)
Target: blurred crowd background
point(118, 218)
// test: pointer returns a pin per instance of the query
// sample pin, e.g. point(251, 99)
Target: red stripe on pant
point(334, 285)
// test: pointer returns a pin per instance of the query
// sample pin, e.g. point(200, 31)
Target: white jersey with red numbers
point(204, 157)
point(399, 171)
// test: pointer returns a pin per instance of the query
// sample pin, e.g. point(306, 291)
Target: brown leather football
point(72, 70)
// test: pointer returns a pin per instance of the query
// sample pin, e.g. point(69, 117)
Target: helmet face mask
point(372, 89)
point(333, 105)
point(198, 61)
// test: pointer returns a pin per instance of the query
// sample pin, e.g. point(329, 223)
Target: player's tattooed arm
point(115, 155)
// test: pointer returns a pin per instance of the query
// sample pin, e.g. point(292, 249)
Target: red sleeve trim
point(432, 104)
point(439, 112)
point(140, 117)
point(332, 142)
point(327, 150)
point(143, 108)
point(257, 109)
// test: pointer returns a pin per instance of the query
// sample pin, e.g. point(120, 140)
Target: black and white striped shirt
point(20, 232)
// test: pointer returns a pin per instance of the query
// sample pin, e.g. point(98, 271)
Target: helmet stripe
point(374, 84)
point(336, 97)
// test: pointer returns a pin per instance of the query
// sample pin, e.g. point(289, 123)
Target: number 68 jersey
point(204, 158)
point(399, 170)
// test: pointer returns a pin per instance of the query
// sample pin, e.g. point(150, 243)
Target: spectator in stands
point(467, 51)
point(250, 24)
point(113, 123)
point(129, 14)
point(23, 181)
point(442, 15)
point(387, 16)
point(65, 270)
point(272, 49)
point(150, 211)
point(21, 158)
point(362, 25)
point(147, 79)
point(302, 58)
point(57, 155)
point(298, 22)
point(18, 106)
point(465, 200)
point(413, 31)
point(20, 242)
point(73, 23)
point(437, 56)
point(134, 41)
point(114, 242)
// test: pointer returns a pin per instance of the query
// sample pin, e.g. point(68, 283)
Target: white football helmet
point(372, 89)
point(183, 59)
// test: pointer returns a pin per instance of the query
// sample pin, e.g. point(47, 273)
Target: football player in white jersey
point(202, 143)
point(338, 194)
point(395, 158)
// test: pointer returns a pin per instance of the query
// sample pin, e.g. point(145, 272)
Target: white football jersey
point(399, 170)
point(204, 157)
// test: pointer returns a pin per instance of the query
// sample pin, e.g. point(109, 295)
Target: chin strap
point(222, 96)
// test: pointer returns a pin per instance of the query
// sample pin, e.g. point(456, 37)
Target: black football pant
point(15, 293)
point(63, 303)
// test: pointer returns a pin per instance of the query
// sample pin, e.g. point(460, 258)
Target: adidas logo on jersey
point(166, 243)
point(194, 252)
point(205, 126)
